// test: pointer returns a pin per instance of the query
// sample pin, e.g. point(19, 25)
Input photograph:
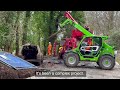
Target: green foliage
point(37, 26)
point(6, 27)
point(79, 16)
point(4, 31)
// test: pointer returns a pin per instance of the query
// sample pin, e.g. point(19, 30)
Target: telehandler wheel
point(71, 60)
point(106, 62)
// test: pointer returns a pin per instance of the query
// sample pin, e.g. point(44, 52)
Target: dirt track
point(91, 68)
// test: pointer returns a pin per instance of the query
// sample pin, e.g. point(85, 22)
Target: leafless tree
point(105, 22)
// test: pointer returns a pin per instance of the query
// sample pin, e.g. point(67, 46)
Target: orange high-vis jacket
point(89, 43)
point(49, 49)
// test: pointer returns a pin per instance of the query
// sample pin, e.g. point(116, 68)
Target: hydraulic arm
point(70, 20)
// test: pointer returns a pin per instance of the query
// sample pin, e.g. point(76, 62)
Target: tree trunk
point(39, 38)
point(50, 24)
point(26, 20)
point(17, 41)
point(111, 19)
point(17, 33)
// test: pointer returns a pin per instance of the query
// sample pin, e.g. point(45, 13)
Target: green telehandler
point(99, 52)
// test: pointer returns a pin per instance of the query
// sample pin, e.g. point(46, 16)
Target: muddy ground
point(53, 64)
point(10, 73)
point(92, 69)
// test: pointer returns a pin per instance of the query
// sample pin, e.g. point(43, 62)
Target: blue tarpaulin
point(14, 61)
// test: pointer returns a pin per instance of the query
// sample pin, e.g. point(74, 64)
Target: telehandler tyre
point(71, 60)
point(106, 62)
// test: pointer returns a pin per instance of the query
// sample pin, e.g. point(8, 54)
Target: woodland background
point(36, 27)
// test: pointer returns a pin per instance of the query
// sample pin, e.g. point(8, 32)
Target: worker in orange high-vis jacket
point(50, 49)
point(89, 41)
